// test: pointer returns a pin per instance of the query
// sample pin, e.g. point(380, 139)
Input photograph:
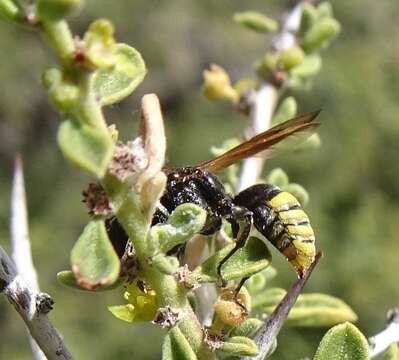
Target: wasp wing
point(262, 142)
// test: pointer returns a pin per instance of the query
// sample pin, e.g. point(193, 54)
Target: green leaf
point(267, 300)
point(85, 146)
point(253, 257)
point(113, 85)
point(310, 310)
point(324, 9)
point(310, 66)
point(93, 258)
point(343, 341)
point(185, 221)
point(53, 10)
point(67, 278)
point(311, 143)
point(247, 328)
point(10, 11)
point(320, 310)
point(278, 177)
point(240, 345)
point(286, 110)
point(392, 353)
point(308, 18)
point(176, 346)
point(256, 283)
point(256, 21)
point(321, 34)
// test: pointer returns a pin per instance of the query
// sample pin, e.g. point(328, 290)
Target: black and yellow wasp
point(276, 214)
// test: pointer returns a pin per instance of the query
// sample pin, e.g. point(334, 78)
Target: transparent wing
point(263, 142)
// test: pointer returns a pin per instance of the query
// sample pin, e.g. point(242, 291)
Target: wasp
point(275, 214)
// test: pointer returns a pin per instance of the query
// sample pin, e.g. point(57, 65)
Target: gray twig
point(390, 335)
point(33, 307)
point(18, 282)
point(20, 245)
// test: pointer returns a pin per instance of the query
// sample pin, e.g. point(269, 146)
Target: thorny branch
point(18, 281)
point(33, 307)
point(21, 251)
point(265, 99)
point(266, 334)
point(387, 337)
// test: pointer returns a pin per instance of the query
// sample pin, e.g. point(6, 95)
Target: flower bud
point(63, 93)
point(230, 309)
point(99, 44)
point(289, 58)
point(217, 85)
point(267, 64)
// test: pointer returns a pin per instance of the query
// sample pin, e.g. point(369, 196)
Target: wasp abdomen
point(296, 242)
point(278, 216)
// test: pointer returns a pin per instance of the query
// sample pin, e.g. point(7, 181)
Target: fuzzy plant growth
point(203, 317)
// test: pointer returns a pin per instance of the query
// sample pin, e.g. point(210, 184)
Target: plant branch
point(266, 334)
point(60, 38)
point(21, 249)
point(390, 335)
point(89, 110)
point(33, 307)
point(261, 115)
point(170, 292)
point(266, 99)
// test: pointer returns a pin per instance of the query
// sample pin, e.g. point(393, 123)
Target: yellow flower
point(142, 305)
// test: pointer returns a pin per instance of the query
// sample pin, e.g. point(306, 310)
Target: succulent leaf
point(85, 146)
point(114, 84)
point(253, 257)
point(93, 258)
point(256, 21)
point(343, 341)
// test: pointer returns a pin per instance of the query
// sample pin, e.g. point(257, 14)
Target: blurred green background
point(352, 179)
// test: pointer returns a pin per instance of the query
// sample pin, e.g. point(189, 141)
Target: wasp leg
point(240, 285)
point(237, 291)
point(241, 219)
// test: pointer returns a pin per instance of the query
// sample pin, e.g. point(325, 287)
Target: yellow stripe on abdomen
point(304, 231)
point(293, 217)
point(283, 201)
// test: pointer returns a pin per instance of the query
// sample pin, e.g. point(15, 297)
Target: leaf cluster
point(96, 71)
